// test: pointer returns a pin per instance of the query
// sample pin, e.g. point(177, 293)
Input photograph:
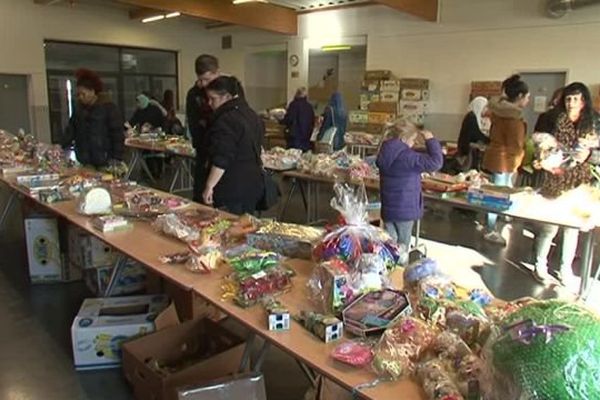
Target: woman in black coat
point(236, 132)
point(96, 127)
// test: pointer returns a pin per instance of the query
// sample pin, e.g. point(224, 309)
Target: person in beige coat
point(507, 141)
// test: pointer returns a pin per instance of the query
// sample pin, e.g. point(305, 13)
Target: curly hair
point(89, 80)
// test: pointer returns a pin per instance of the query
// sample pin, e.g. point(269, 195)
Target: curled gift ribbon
point(525, 331)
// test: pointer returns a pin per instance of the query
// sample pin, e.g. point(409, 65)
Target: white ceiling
point(302, 5)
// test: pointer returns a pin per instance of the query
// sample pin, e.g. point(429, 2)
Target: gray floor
point(35, 344)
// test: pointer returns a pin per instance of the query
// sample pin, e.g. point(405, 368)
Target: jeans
point(543, 243)
point(400, 231)
point(500, 179)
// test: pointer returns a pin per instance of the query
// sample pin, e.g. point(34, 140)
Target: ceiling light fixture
point(161, 17)
point(249, 1)
point(153, 18)
point(339, 47)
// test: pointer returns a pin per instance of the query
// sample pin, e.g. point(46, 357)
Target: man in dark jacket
point(96, 127)
point(299, 121)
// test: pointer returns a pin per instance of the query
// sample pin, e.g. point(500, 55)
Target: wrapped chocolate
point(185, 226)
point(356, 354)
point(401, 346)
point(290, 240)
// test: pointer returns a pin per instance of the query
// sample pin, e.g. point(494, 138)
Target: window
point(125, 72)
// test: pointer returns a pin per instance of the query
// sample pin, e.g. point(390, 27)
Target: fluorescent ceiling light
point(152, 19)
point(173, 14)
point(340, 47)
point(249, 1)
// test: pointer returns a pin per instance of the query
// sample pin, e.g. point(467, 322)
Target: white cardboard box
point(96, 253)
point(128, 278)
point(43, 250)
point(103, 324)
point(389, 97)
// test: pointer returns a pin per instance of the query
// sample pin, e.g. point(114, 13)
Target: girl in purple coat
point(400, 168)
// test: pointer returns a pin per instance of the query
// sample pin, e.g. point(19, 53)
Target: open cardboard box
point(197, 351)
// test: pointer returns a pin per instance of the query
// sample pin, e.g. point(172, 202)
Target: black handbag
point(271, 192)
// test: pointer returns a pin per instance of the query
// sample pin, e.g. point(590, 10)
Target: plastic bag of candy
point(252, 288)
point(204, 260)
point(401, 346)
point(328, 286)
point(356, 354)
point(356, 237)
point(436, 381)
point(252, 262)
point(370, 274)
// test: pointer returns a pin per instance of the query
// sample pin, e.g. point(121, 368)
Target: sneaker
point(541, 275)
point(495, 237)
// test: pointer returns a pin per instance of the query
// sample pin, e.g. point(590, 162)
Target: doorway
point(541, 86)
point(14, 103)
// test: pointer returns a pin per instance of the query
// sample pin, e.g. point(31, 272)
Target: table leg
point(586, 262)
point(309, 188)
point(245, 362)
point(285, 204)
point(303, 194)
point(310, 375)
point(147, 170)
point(176, 176)
point(316, 205)
point(119, 265)
point(260, 358)
point(132, 163)
point(7, 207)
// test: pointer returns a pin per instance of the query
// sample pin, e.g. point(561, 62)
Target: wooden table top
point(144, 244)
point(158, 147)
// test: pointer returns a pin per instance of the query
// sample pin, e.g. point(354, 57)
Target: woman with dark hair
point(236, 132)
point(96, 127)
point(576, 133)
point(335, 116)
point(507, 141)
point(546, 122)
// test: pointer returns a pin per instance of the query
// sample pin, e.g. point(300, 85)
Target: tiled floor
point(35, 349)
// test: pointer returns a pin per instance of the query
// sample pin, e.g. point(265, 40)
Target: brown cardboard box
point(381, 118)
point(390, 86)
point(389, 97)
point(370, 85)
point(375, 128)
point(358, 117)
point(380, 75)
point(414, 83)
point(218, 353)
point(486, 87)
point(384, 107)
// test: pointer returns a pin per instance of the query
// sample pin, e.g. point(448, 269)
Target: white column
point(297, 76)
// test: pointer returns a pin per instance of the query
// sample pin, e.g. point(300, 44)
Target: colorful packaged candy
point(290, 240)
point(253, 262)
point(251, 288)
point(353, 353)
point(185, 226)
point(401, 346)
point(328, 286)
point(326, 327)
point(204, 260)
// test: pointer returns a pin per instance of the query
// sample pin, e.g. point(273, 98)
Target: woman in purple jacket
point(400, 168)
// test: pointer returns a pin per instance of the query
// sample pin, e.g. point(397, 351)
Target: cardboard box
point(425, 94)
point(383, 107)
point(96, 253)
point(71, 272)
point(375, 128)
point(74, 253)
point(370, 85)
point(486, 86)
point(189, 306)
point(250, 386)
point(374, 97)
point(211, 352)
point(123, 278)
point(43, 250)
point(358, 117)
point(380, 75)
point(102, 325)
point(389, 97)
point(364, 105)
point(411, 94)
point(381, 118)
point(414, 83)
point(408, 107)
point(390, 86)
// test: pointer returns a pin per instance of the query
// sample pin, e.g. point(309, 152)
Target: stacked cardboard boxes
point(487, 89)
point(414, 99)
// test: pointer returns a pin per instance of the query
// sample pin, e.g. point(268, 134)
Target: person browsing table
point(235, 181)
point(400, 168)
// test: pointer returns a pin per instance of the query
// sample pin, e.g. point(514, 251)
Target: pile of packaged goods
point(279, 158)
point(142, 202)
point(365, 171)
point(362, 138)
point(179, 145)
point(335, 165)
point(290, 240)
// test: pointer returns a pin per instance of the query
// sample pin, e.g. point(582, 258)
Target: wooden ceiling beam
point(425, 9)
point(263, 16)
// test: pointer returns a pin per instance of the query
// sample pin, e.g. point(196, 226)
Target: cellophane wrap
point(356, 354)
point(545, 350)
point(328, 286)
point(401, 346)
point(356, 236)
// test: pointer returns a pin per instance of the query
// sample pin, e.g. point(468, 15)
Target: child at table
point(400, 168)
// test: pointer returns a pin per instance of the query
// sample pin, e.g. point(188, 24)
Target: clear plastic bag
point(437, 382)
point(370, 274)
point(328, 286)
point(401, 346)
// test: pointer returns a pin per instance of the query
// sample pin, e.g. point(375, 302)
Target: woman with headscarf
point(96, 126)
point(576, 131)
point(474, 128)
point(235, 182)
point(147, 114)
point(299, 121)
point(335, 116)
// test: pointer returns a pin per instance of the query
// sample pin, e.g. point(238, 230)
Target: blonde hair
point(401, 128)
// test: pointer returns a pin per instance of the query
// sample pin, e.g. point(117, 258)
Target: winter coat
point(198, 114)
point(97, 132)
point(335, 115)
point(400, 169)
point(299, 120)
point(507, 137)
point(470, 133)
point(546, 122)
point(151, 115)
point(236, 135)
point(567, 134)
